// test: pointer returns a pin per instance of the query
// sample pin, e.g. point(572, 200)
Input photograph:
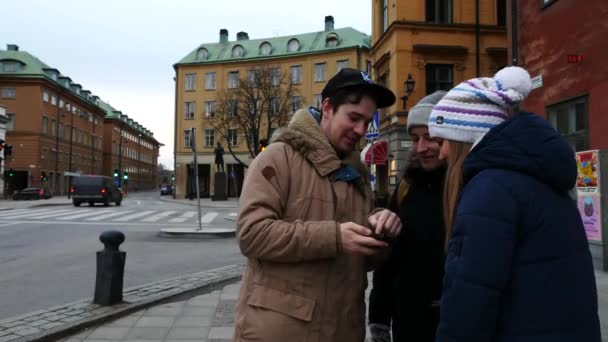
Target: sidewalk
point(210, 318)
point(56, 200)
point(231, 203)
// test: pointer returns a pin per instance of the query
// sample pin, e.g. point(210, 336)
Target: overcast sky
point(123, 50)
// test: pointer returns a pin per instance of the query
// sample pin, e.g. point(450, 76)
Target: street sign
point(373, 127)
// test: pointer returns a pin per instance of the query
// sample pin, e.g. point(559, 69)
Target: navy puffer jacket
point(518, 267)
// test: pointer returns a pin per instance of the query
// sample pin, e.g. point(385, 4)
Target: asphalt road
point(48, 254)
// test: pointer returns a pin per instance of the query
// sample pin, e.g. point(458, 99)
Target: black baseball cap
point(353, 78)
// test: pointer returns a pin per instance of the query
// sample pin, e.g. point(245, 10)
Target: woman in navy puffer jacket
point(518, 267)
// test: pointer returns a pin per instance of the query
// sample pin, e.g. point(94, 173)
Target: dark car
point(95, 189)
point(32, 194)
point(166, 190)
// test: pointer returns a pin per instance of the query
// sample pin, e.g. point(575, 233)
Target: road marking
point(184, 217)
point(11, 212)
point(133, 216)
point(24, 212)
point(84, 214)
point(30, 214)
point(54, 214)
point(159, 216)
point(103, 217)
point(208, 217)
point(7, 224)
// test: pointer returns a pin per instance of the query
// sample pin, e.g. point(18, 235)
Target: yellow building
point(436, 44)
point(306, 60)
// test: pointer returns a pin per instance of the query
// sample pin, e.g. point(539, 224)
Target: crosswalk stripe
point(53, 214)
point(30, 214)
point(103, 217)
point(12, 212)
point(133, 216)
point(25, 212)
point(208, 217)
point(159, 216)
point(186, 215)
point(83, 214)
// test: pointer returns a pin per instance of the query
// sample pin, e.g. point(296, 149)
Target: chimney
point(12, 47)
point(329, 23)
point(242, 36)
point(223, 36)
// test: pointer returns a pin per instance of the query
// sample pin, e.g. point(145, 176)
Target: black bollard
point(110, 269)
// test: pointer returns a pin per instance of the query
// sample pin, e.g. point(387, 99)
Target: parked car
point(95, 189)
point(32, 194)
point(166, 190)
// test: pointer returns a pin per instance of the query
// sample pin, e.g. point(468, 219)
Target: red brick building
point(564, 46)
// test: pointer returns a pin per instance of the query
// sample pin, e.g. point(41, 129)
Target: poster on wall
point(590, 210)
point(588, 179)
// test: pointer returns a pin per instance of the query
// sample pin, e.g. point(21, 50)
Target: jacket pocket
point(283, 302)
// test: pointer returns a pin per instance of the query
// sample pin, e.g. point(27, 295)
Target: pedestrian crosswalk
point(111, 214)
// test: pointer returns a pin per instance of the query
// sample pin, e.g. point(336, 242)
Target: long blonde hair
point(453, 183)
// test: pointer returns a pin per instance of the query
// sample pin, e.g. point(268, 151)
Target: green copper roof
point(31, 67)
point(307, 43)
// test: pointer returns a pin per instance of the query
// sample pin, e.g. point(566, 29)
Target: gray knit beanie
point(419, 114)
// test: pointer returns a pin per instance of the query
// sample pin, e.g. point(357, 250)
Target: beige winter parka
point(298, 285)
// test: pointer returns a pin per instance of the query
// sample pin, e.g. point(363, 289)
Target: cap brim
point(384, 97)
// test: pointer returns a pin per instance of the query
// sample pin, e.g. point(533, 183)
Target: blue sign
point(117, 182)
point(373, 130)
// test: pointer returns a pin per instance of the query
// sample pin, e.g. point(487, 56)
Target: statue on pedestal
point(219, 158)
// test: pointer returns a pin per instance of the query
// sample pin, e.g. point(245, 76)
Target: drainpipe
point(477, 38)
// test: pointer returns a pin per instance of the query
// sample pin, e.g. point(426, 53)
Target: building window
point(209, 137)
point(331, 40)
point(439, 77)
point(238, 51)
point(570, 119)
point(189, 109)
point(252, 136)
point(318, 101)
point(233, 106)
point(232, 136)
point(265, 49)
point(293, 45)
point(320, 72)
point(11, 66)
point(53, 128)
point(61, 103)
point(210, 81)
point(190, 82)
point(10, 125)
point(275, 105)
point(368, 67)
point(233, 79)
point(45, 125)
point(296, 103)
point(45, 96)
point(9, 93)
point(202, 53)
point(254, 106)
point(187, 138)
point(253, 78)
point(384, 19)
point(341, 64)
point(439, 11)
point(275, 76)
point(296, 74)
point(501, 12)
point(210, 108)
point(53, 100)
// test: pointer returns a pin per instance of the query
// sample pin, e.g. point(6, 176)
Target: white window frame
point(210, 109)
point(189, 110)
point(320, 72)
point(233, 136)
point(233, 79)
point(210, 81)
point(296, 103)
point(233, 107)
point(187, 138)
point(341, 64)
point(318, 100)
point(9, 93)
point(190, 82)
point(209, 137)
point(275, 76)
point(45, 96)
point(53, 100)
point(296, 74)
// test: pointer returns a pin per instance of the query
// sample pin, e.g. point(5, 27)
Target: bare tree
point(253, 108)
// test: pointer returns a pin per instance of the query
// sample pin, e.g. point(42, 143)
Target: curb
point(76, 316)
point(202, 206)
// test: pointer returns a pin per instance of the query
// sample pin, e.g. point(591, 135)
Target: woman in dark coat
point(407, 288)
point(518, 267)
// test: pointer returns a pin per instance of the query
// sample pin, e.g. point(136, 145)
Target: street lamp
point(408, 86)
point(139, 160)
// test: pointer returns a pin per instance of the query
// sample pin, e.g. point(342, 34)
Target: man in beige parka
point(305, 222)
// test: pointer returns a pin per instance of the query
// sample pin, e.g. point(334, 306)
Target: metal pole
point(56, 147)
point(198, 195)
point(372, 168)
point(70, 158)
point(477, 38)
point(93, 148)
point(514, 33)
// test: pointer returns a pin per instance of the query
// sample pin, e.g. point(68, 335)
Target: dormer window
point(331, 40)
point(11, 66)
point(265, 48)
point(202, 54)
point(238, 51)
point(293, 45)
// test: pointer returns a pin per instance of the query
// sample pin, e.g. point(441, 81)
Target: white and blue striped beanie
point(472, 108)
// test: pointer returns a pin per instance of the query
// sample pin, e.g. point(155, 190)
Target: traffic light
point(43, 177)
point(173, 177)
point(125, 176)
point(116, 173)
point(11, 173)
point(8, 150)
